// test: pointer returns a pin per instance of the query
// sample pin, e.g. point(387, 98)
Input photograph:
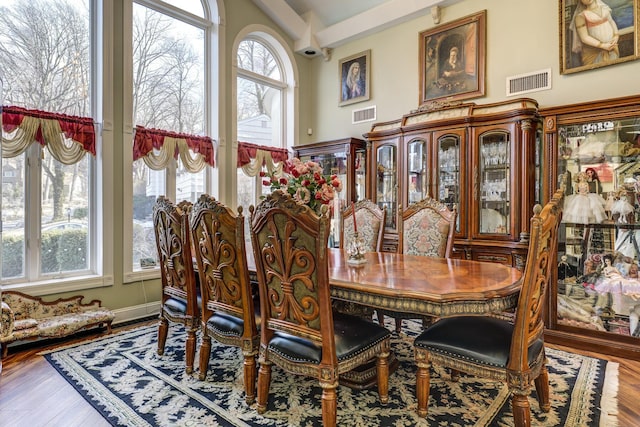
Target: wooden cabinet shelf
point(474, 157)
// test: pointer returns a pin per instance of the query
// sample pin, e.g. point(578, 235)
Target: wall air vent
point(363, 115)
point(529, 82)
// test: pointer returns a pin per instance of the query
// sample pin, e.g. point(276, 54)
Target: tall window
point(261, 89)
point(169, 81)
point(49, 199)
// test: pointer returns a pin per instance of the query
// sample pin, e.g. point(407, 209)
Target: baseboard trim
point(136, 312)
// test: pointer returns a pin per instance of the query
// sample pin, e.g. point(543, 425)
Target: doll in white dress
point(583, 207)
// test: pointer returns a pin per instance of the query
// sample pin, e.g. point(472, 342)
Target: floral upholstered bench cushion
point(25, 317)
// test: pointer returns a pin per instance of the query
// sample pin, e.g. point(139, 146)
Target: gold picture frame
point(445, 78)
point(355, 78)
point(597, 38)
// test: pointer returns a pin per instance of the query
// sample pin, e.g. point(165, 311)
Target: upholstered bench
point(26, 317)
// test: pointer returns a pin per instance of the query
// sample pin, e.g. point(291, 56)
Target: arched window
point(172, 152)
point(265, 113)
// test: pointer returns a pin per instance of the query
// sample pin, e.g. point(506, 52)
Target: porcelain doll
point(583, 207)
point(608, 205)
point(623, 209)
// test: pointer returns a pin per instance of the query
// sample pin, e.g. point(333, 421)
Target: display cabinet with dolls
point(594, 299)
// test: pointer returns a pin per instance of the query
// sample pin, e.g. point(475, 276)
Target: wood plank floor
point(32, 394)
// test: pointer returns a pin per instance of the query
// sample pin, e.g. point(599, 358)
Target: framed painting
point(597, 33)
point(452, 60)
point(355, 78)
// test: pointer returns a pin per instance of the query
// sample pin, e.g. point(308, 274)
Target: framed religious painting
point(452, 60)
point(355, 78)
point(597, 33)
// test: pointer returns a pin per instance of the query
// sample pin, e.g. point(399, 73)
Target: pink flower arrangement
point(305, 182)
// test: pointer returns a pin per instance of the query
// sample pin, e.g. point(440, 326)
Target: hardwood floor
point(32, 394)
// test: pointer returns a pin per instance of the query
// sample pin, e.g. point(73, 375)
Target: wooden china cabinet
point(594, 297)
point(346, 158)
point(475, 157)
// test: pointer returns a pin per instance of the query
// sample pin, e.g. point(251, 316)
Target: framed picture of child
point(452, 60)
point(597, 33)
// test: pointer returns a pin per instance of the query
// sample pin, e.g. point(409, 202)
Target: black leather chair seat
point(225, 324)
point(353, 335)
point(484, 340)
point(176, 305)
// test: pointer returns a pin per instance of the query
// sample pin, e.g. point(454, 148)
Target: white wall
point(522, 36)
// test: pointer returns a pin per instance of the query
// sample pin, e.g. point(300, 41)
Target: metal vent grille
point(363, 115)
point(530, 82)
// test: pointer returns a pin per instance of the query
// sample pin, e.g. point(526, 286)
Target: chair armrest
point(7, 319)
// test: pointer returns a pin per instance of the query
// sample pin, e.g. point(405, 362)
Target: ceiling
point(317, 26)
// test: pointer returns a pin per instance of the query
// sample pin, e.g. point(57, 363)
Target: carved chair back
point(220, 253)
point(370, 220)
point(297, 329)
point(173, 241)
point(290, 250)
point(228, 312)
point(541, 259)
point(179, 291)
point(427, 229)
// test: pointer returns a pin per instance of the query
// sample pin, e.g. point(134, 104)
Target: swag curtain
point(66, 137)
point(252, 157)
point(157, 147)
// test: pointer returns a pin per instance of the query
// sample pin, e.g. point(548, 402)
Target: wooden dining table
point(424, 285)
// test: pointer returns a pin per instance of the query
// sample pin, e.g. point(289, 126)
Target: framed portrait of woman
point(452, 60)
point(355, 78)
point(597, 33)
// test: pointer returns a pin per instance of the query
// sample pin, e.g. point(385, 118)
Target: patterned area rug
point(122, 377)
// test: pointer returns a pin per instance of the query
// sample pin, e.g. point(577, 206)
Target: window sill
point(139, 275)
point(60, 285)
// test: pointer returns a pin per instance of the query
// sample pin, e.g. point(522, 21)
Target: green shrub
point(62, 250)
point(12, 255)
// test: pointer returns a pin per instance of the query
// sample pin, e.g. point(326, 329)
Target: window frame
point(289, 94)
point(212, 45)
point(100, 271)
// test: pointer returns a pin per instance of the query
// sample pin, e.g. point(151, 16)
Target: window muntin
point(191, 6)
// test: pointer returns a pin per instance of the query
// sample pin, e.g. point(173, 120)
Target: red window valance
point(146, 140)
point(247, 151)
point(78, 129)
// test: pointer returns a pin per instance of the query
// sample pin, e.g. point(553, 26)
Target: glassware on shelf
point(494, 183)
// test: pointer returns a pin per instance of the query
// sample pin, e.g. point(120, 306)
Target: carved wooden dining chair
point(228, 311)
point(495, 348)
point(179, 292)
point(426, 229)
point(370, 220)
point(300, 333)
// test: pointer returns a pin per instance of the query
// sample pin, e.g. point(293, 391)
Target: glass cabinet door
point(417, 170)
point(494, 183)
point(387, 182)
point(334, 163)
point(599, 236)
point(448, 147)
point(360, 165)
